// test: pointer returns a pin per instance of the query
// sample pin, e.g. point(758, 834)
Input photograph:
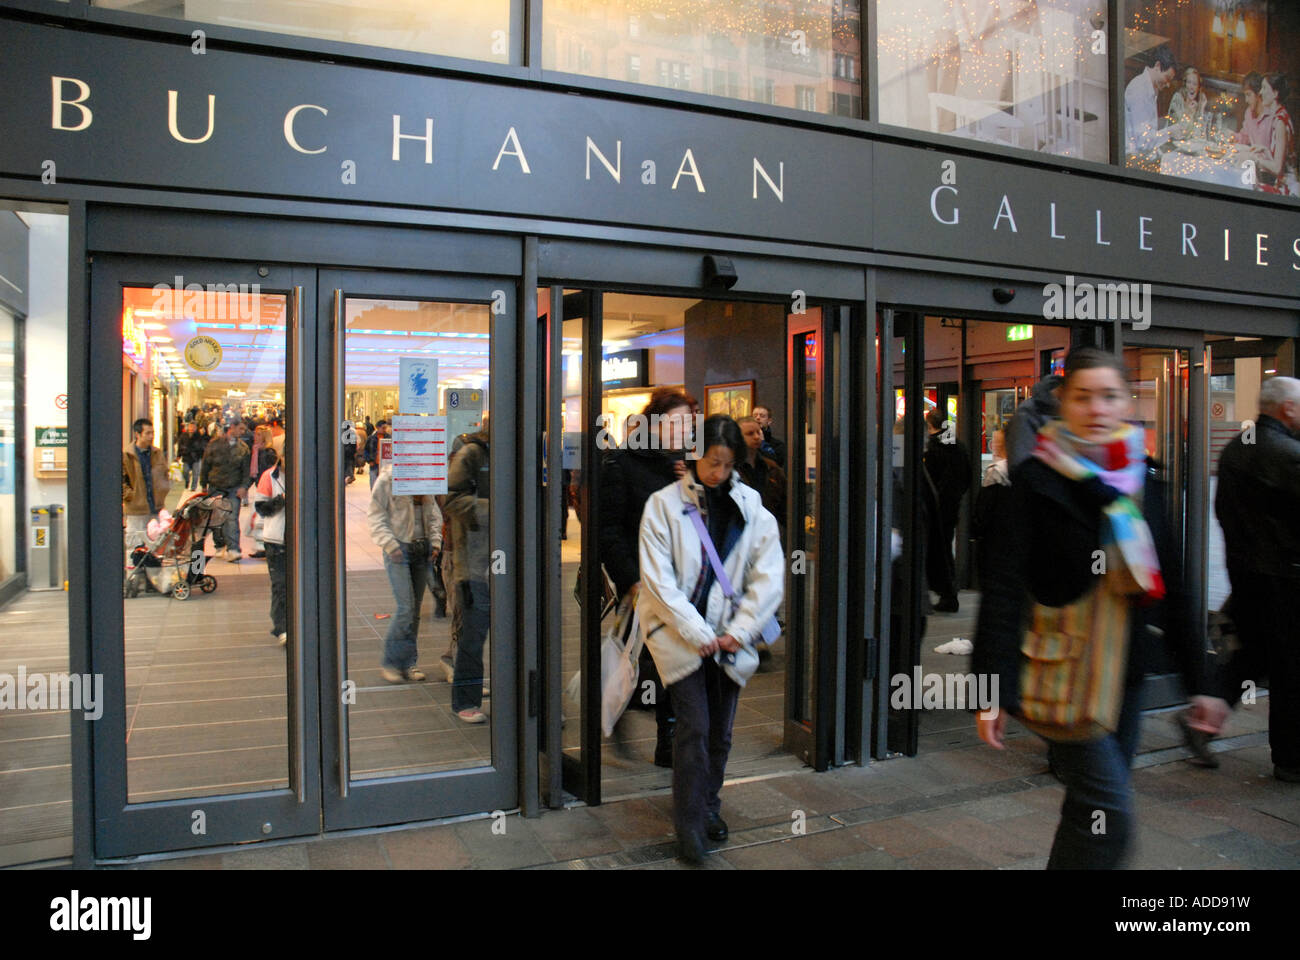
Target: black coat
point(949, 466)
point(768, 479)
point(1258, 501)
point(1041, 548)
point(627, 480)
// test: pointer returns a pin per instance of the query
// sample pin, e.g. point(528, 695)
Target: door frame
point(348, 803)
point(127, 829)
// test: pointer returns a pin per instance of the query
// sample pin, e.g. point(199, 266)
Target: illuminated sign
point(1020, 331)
point(631, 368)
point(134, 341)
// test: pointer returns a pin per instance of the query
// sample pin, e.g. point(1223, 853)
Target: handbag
point(609, 598)
point(620, 653)
point(1073, 660)
point(739, 666)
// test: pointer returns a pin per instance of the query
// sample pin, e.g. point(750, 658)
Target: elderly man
point(1258, 506)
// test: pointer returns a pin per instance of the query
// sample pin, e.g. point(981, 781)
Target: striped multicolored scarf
point(1120, 463)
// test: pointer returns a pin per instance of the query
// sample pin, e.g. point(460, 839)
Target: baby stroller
point(174, 562)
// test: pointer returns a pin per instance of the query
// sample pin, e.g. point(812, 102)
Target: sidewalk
point(965, 808)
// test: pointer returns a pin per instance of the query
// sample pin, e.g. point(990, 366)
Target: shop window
point(1211, 91)
point(762, 45)
point(35, 748)
point(1021, 74)
point(478, 31)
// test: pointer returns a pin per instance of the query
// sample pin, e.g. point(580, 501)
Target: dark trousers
point(939, 565)
point(1097, 817)
point(276, 569)
point(470, 622)
point(705, 703)
point(1270, 647)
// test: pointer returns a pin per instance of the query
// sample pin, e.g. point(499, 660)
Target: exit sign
point(1020, 331)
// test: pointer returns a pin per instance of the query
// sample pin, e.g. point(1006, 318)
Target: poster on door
point(419, 455)
point(464, 411)
point(418, 383)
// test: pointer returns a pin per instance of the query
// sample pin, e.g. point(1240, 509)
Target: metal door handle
point(340, 558)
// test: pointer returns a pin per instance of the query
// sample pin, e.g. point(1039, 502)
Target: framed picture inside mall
point(734, 399)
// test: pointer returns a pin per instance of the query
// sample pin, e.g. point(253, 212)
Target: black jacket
point(1258, 501)
point(627, 480)
point(949, 466)
point(768, 479)
point(1022, 431)
point(1041, 548)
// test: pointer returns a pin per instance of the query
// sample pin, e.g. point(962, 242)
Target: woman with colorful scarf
point(1084, 586)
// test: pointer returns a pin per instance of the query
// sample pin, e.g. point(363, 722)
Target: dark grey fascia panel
point(282, 240)
point(606, 265)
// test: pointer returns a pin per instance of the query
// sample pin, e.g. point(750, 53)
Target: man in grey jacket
point(409, 531)
point(468, 510)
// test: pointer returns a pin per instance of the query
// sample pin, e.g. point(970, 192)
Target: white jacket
point(673, 561)
point(393, 519)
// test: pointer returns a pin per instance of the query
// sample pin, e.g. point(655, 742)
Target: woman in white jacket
point(702, 642)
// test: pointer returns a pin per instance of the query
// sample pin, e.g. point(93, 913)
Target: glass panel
point(803, 54)
point(573, 350)
point(805, 417)
point(203, 414)
point(418, 602)
point(1234, 399)
point(1208, 91)
point(35, 768)
point(478, 31)
point(1019, 73)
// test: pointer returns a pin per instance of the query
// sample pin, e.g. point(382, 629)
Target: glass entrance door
point(205, 645)
point(417, 536)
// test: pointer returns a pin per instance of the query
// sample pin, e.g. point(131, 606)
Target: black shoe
point(1287, 774)
point(717, 829)
point(440, 611)
point(1198, 741)
point(691, 850)
point(948, 605)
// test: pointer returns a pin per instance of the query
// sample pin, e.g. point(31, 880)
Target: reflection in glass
point(418, 611)
point(203, 385)
point(1207, 88)
point(803, 54)
point(1017, 72)
point(478, 31)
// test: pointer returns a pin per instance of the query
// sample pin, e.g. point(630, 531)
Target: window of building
point(634, 68)
point(1028, 75)
point(1211, 91)
point(756, 47)
point(846, 66)
point(805, 98)
point(477, 31)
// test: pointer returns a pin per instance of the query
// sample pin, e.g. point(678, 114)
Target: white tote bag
point(620, 652)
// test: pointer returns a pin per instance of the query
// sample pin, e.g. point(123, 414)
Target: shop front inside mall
point(472, 284)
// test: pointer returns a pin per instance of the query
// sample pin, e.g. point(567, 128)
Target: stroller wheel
point(181, 591)
point(208, 583)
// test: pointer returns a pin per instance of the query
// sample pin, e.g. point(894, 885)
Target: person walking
point(468, 506)
point(647, 463)
point(948, 465)
point(1079, 561)
point(762, 472)
point(270, 504)
point(225, 471)
point(261, 459)
point(772, 447)
point(145, 481)
point(1042, 405)
point(1258, 506)
point(701, 635)
point(371, 451)
point(408, 529)
point(190, 450)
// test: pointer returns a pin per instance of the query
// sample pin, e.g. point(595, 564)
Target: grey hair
point(1276, 391)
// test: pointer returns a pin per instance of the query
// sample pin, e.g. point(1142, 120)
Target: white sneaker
point(284, 639)
point(448, 669)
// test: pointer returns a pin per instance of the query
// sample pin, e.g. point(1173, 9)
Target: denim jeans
point(230, 529)
point(469, 628)
point(276, 569)
point(407, 577)
point(1097, 817)
point(705, 703)
point(190, 475)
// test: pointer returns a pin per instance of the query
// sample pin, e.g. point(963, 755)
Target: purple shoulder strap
point(727, 589)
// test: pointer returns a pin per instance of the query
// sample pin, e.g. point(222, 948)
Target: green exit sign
point(1020, 331)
